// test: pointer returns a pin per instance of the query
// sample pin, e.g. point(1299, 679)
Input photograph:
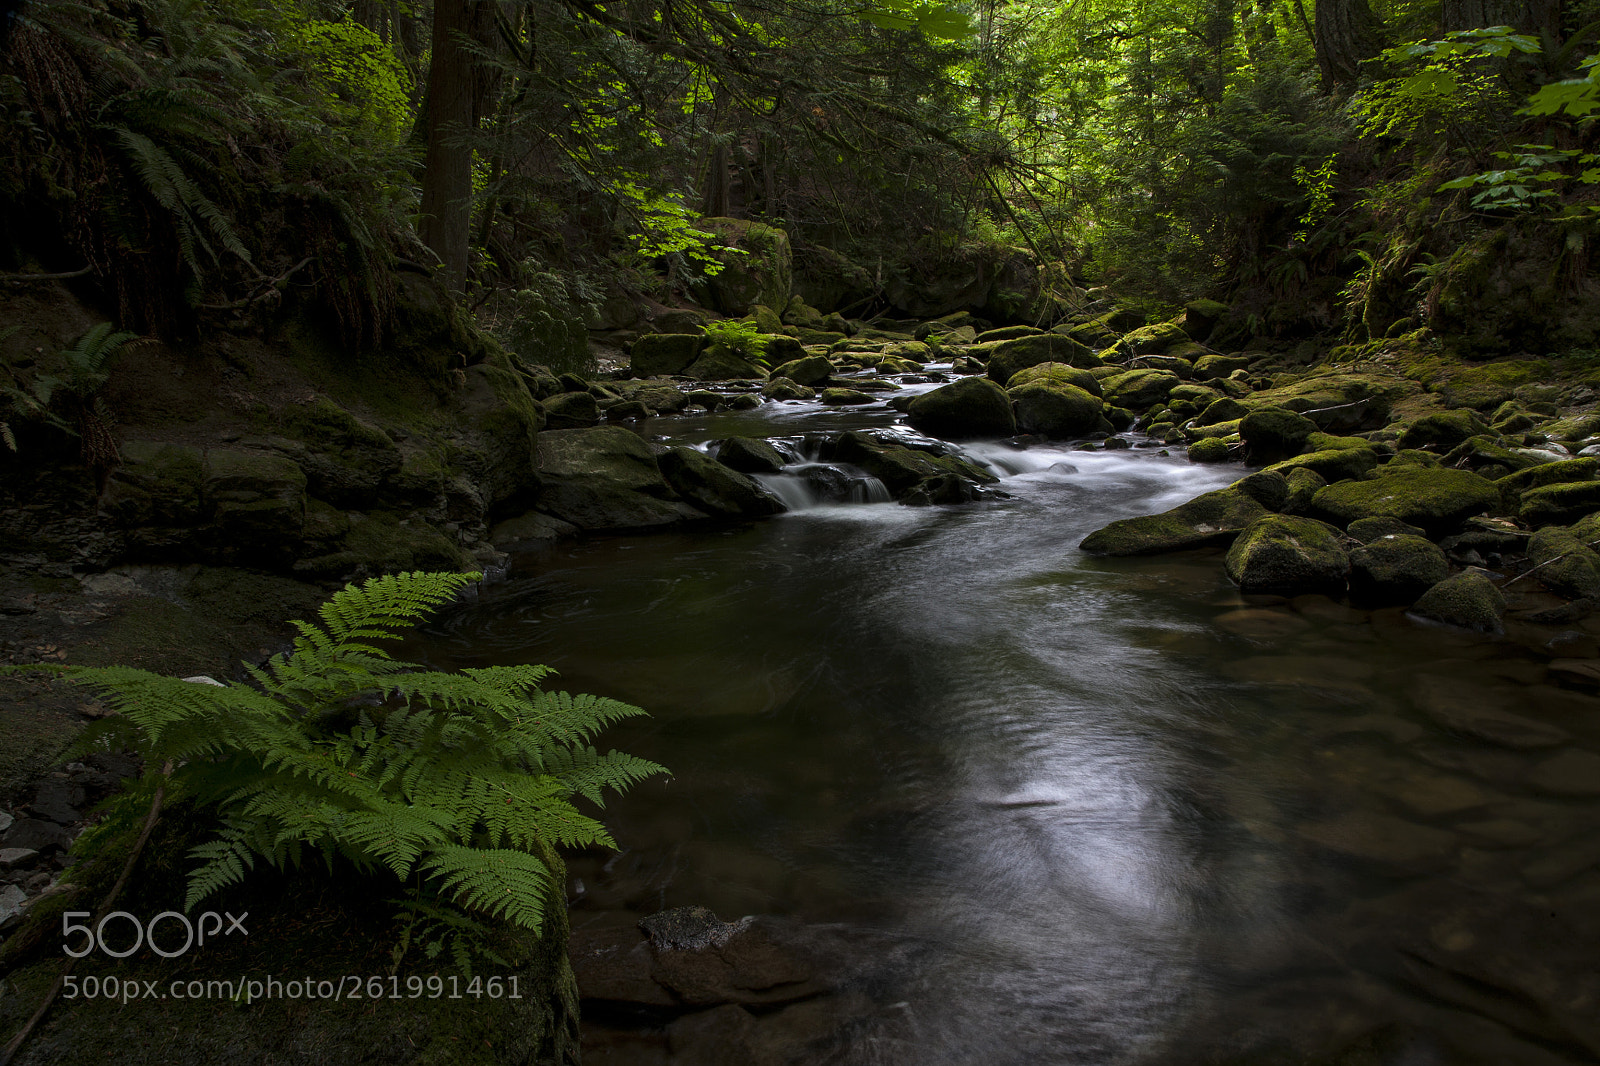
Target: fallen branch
point(47, 277)
point(1526, 573)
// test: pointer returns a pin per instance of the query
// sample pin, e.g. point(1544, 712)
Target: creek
point(1077, 810)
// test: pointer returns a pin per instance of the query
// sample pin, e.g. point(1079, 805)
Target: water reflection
point(1106, 811)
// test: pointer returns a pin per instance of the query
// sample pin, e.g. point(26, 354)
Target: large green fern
point(465, 780)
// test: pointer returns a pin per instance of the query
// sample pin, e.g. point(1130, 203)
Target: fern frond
point(502, 883)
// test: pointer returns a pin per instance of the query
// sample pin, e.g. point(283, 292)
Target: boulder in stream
point(605, 477)
point(1284, 554)
point(1395, 569)
point(1212, 518)
point(1056, 410)
point(1435, 499)
point(714, 488)
point(1468, 600)
point(966, 409)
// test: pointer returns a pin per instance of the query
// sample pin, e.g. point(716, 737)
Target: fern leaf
point(500, 882)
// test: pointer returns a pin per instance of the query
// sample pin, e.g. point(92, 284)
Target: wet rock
point(1272, 434)
point(900, 468)
point(1154, 339)
point(745, 401)
point(1559, 504)
point(810, 370)
point(155, 484)
point(627, 411)
point(1383, 839)
point(1209, 450)
point(1280, 553)
point(1212, 518)
point(724, 1036)
point(530, 530)
point(1008, 358)
point(1138, 390)
point(1055, 409)
point(1468, 708)
point(942, 490)
point(750, 455)
point(1483, 453)
point(616, 965)
point(658, 354)
point(1575, 772)
point(1434, 499)
point(705, 961)
point(1565, 470)
point(1222, 411)
point(658, 396)
point(604, 478)
point(1468, 600)
point(1208, 367)
point(1395, 570)
point(1333, 464)
point(973, 407)
point(784, 389)
point(13, 901)
point(715, 488)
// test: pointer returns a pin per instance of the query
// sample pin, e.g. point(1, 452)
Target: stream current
point(1075, 809)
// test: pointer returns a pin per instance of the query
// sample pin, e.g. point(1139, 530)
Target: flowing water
point(1076, 810)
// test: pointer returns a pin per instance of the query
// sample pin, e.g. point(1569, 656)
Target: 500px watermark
point(193, 933)
point(253, 989)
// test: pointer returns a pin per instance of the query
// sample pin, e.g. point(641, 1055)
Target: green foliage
point(1577, 97)
point(1318, 188)
point(739, 336)
point(1450, 88)
point(68, 399)
point(462, 783)
point(1526, 183)
point(545, 320)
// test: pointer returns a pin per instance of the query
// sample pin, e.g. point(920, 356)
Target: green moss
point(1434, 499)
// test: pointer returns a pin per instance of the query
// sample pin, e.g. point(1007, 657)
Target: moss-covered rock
point(658, 354)
point(841, 397)
point(750, 455)
point(1367, 530)
point(1436, 499)
point(1468, 600)
point(1333, 464)
point(1560, 504)
point(1395, 569)
point(1273, 434)
point(1304, 484)
point(1212, 518)
point(809, 370)
point(1153, 340)
point(1442, 431)
point(498, 419)
point(713, 487)
point(604, 478)
point(571, 410)
point(1557, 473)
point(383, 543)
point(157, 484)
point(1566, 564)
point(659, 396)
point(1227, 409)
point(1007, 333)
point(1056, 374)
point(1058, 411)
point(1341, 401)
point(963, 410)
point(1138, 390)
point(761, 271)
point(784, 389)
point(1007, 358)
point(257, 504)
point(720, 363)
point(1209, 450)
point(347, 460)
point(1200, 317)
point(1281, 553)
point(1208, 367)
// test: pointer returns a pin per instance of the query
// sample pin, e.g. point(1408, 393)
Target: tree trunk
point(1538, 18)
point(447, 163)
point(1347, 34)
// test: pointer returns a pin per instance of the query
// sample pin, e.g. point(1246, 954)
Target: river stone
point(604, 477)
point(14, 857)
point(1007, 333)
point(901, 469)
point(1221, 411)
point(810, 370)
point(1479, 453)
point(1468, 600)
point(1333, 464)
point(750, 455)
point(839, 397)
point(714, 488)
point(528, 531)
point(1057, 411)
point(1341, 401)
point(627, 411)
point(1383, 839)
point(1304, 485)
point(1280, 553)
point(1465, 706)
point(571, 410)
point(1212, 518)
point(705, 961)
point(1435, 499)
point(1367, 530)
point(1395, 570)
point(658, 396)
point(784, 389)
point(719, 363)
point(1272, 434)
point(1565, 564)
point(745, 401)
point(972, 407)
point(1444, 430)
point(1139, 390)
point(1209, 450)
point(1559, 504)
point(35, 834)
point(1153, 340)
point(1056, 374)
point(1007, 358)
point(658, 354)
point(1564, 470)
point(1574, 772)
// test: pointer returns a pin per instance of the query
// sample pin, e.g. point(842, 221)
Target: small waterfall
point(808, 485)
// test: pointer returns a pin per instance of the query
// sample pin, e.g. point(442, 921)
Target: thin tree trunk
point(1348, 33)
point(447, 163)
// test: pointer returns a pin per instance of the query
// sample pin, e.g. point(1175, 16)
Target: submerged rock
point(1280, 553)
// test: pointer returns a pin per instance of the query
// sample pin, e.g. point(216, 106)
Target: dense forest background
point(1324, 167)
